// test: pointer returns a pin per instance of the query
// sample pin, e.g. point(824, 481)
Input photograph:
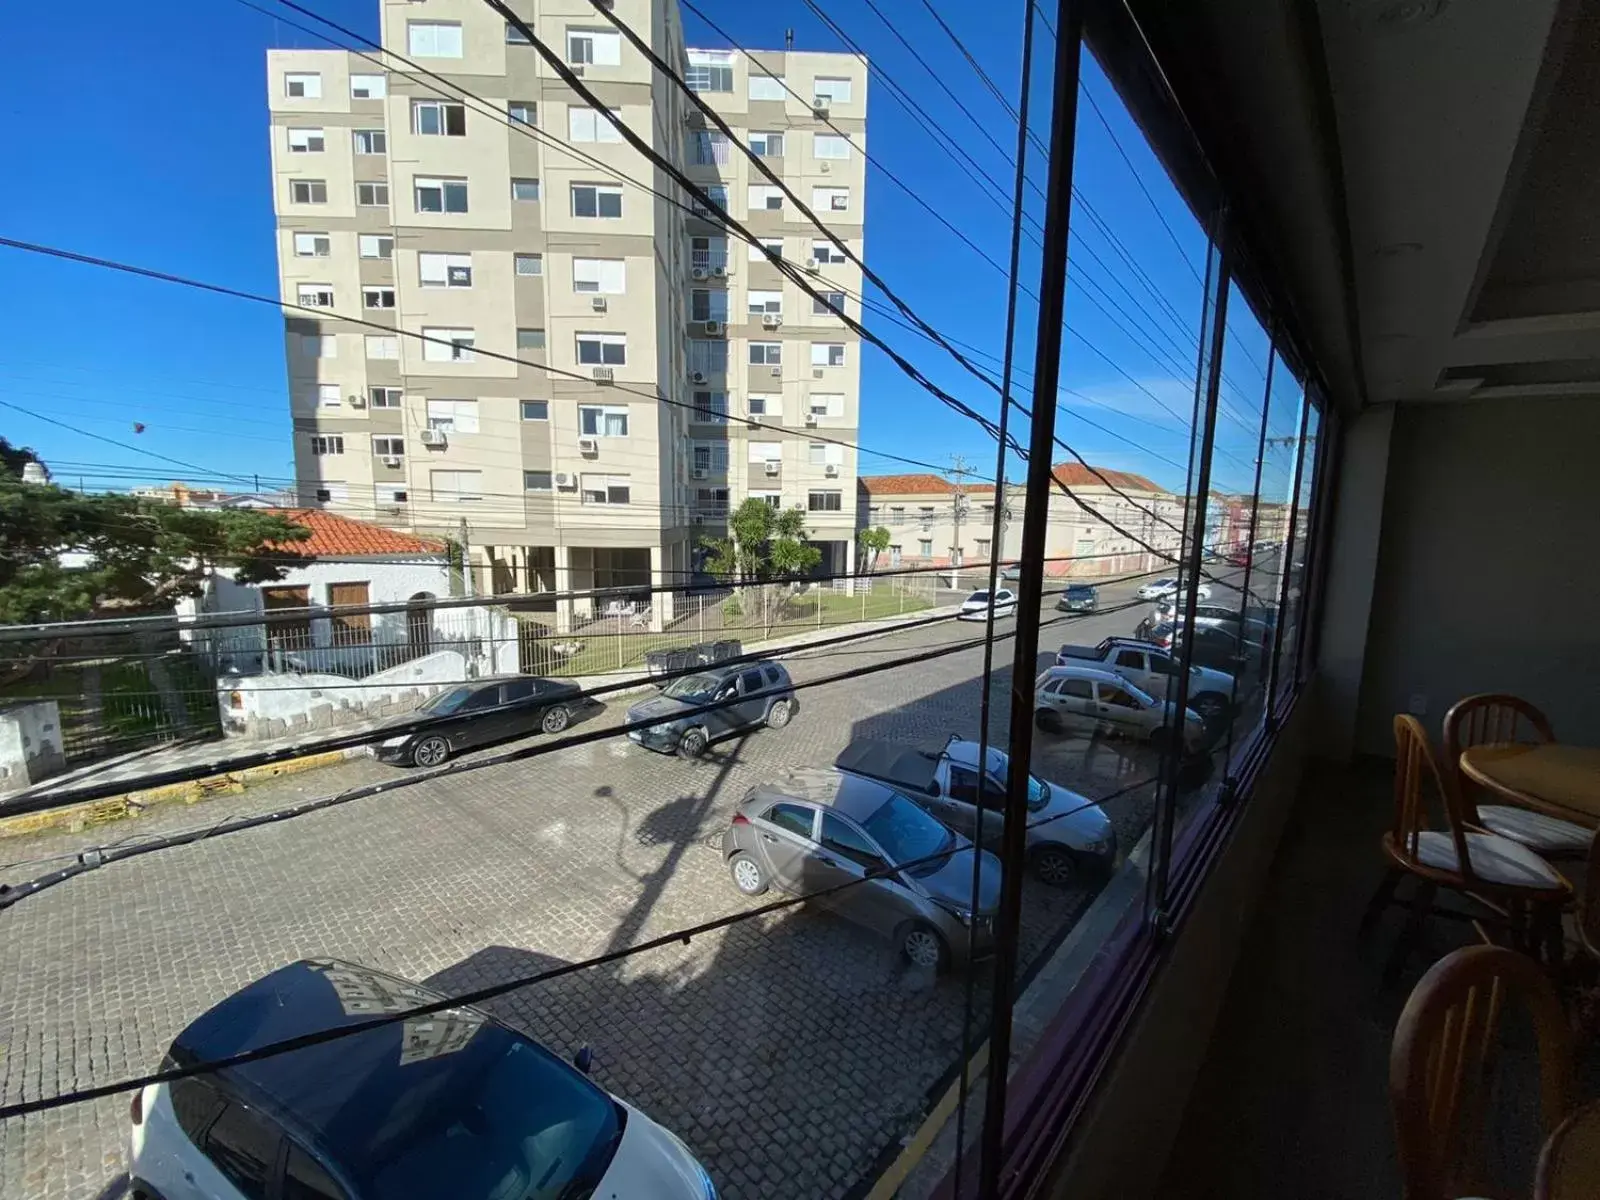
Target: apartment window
point(831, 501)
point(368, 87)
point(308, 191)
point(329, 396)
point(302, 85)
point(588, 125)
point(759, 249)
point(453, 416)
point(433, 39)
point(717, 193)
point(596, 200)
point(312, 245)
point(708, 148)
point(827, 354)
point(767, 145)
point(374, 194)
point(896, 554)
point(594, 47)
point(830, 199)
point(925, 547)
point(376, 245)
point(383, 345)
point(765, 196)
point(765, 452)
point(323, 445)
point(710, 70)
point(371, 141)
point(524, 189)
point(710, 408)
point(438, 118)
point(764, 86)
point(314, 295)
point(603, 349)
point(982, 545)
point(830, 145)
point(536, 410)
point(827, 252)
point(440, 195)
point(766, 354)
point(455, 487)
point(766, 303)
point(708, 252)
point(823, 454)
point(764, 404)
point(377, 297)
point(528, 264)
point(386, 445)
point(826, 404)
point(447, 345)
point(597, 421)
point(710, 456)
point(530, 339)
point(832, 89)
point(606, 276)
point(538, 481)
point(319, 345)
point(708, 357)
point(828, 302)
point(605, 489)
point(444, 270)
point(387, 495)
point(712, 497)
point(384, 397)
point(708, 304)
point(523, 112)
point(306, 141)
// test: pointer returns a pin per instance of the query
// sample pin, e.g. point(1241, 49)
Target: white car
point(1160, 589)
point(1093, 701)
point(976, 606)
point(1153, 669)
point(452, 1104)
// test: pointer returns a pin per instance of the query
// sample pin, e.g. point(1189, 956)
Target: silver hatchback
point(910, 877)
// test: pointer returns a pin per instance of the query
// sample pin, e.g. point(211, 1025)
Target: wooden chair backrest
point(1442, 1043)
point(1415, 771)
point(1488, 717)
point(1589, 905)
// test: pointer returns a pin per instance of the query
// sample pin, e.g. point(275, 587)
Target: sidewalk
point(214, 766)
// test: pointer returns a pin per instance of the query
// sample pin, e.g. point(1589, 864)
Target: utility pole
point(958, 468)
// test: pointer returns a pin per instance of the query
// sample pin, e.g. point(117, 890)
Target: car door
point(478, 719)
point(752, 706)
point(1076, 704)
point(1120, 711)
point(243, 1146)
point(1134, 666)
point(1005, 602)
point(962, 795)
point(518, 713)
point(849, 856)
point(786, 837)
point(724, 719)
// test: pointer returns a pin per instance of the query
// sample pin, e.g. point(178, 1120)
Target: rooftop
point(1077, 475)
point(333, 536)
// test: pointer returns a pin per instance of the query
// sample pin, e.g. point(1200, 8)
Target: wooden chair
point(1437, 1078)
point(1511, 880)
point(1589, 906)
point(1497, 718)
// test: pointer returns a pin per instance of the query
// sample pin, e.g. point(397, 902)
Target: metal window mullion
point(1286, 565)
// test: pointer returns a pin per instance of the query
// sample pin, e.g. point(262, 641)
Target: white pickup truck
point(1154, 670)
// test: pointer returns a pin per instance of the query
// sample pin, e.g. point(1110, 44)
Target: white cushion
point(1494, 859)
point(1536, 830)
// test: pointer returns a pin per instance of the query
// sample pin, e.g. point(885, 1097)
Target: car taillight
point(136, 1109)
point(740, 819)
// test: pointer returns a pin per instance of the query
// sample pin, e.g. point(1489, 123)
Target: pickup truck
point(1154, 669)
point(1068, 835)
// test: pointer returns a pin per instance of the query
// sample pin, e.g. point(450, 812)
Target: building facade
point(934, 523)
point(515, 220)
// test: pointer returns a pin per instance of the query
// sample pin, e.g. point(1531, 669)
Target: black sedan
point(1079, 597)
point(481, 712)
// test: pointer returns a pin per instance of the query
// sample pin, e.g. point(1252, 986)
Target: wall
point(267, 706)
point(30, 743)
point(1486, 574)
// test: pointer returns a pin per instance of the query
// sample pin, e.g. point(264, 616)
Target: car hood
point(952, 883)
point(657, 707)
point(652, 1161)
point(1069, 810)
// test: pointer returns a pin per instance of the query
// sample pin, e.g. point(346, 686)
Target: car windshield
point(1038, 789)
point(692, 687)
point(909, 835)
point(1080, 593)
point(977, 597)
point(446, 703)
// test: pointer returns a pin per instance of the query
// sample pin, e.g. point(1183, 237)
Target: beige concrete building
point(933, 523)
point(516, 221)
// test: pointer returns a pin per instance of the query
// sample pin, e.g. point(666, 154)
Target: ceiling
point(1417, 181)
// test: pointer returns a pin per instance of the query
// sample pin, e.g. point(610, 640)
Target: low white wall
point(278, 705)
point(30, 743)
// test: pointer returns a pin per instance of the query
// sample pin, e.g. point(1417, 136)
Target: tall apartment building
point(525, 225)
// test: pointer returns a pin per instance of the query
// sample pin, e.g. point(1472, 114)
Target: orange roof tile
point(333, 536)
point(1077, 475)
point(905, 485)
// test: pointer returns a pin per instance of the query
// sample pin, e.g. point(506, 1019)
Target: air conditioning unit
point(694, 119)
point(565, 480)
point(773, 468)
point(598, 303)
point(777, 372)
point(603, 374)
point(771, 321)
point(358, 401)
point(699, 473)
point(433, 437)
point(719, 272)
point(713, 328)
point(697, 376)
point(813, 266)
point(824, 167)
point(811, 420)
point(393, 460)
point(831, 470)
point(819, 107)
point(697, 273)
point(816, 372)
point(394, 510)
point(588, 445)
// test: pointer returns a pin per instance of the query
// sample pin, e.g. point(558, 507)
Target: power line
point(97, 437)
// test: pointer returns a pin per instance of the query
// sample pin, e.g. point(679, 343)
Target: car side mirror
point(584, 1059)
point(934, 789)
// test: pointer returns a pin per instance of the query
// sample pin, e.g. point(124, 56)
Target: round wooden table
point(1553, 778)
point(1569, 1164)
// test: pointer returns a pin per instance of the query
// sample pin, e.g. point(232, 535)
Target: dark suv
point(1079, 597)
point(758, 694)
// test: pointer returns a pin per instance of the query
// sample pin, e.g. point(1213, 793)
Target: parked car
point(1256, 620)
point(1161, 588)
point(1011, 572)
point(1067, 833)
point(762, 694)
point(1093, 701)
point(481, 712)
point(976, 606)
point(455, 1104)
point(1154, 669)
point(816, 828)
point(1079, 597)
point(1215, 646)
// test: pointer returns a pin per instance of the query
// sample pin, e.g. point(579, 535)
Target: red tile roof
point(905, 485)
point(333, 536)
point(1077, 475)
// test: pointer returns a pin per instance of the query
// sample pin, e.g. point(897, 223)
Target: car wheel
point(923, 947)
point(747, 874)
point(1212, 708)
point(1049, 720)
point(779, 714)
point(555, 719)
point(1055, 865)
point(430, 751)
point(692, 744)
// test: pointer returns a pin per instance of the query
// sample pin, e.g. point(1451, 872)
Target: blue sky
point(163, 162)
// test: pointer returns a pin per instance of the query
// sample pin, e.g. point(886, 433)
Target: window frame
point(602, 191)
point(443, 184)
point(445, 110)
